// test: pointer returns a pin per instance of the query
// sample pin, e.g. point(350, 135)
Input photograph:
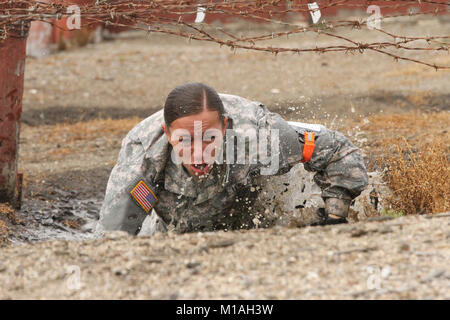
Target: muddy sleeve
point(278, 145)
point(119, 211)
point(339, 166)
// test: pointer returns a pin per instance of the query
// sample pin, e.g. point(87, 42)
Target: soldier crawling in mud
point(183, 169)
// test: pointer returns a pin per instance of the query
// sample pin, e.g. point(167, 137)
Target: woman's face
point(194, 138)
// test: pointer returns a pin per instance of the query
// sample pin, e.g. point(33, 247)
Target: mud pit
point(78, 105)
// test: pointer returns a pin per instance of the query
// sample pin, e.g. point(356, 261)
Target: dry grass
point(85, 131)
point(418, 128)
point(65, 143)
point(6, 213)
point(420, 98)
point(415, 153)
point(4, 234)
point(420, 179)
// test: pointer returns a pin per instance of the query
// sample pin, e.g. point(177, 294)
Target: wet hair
point(191, 98)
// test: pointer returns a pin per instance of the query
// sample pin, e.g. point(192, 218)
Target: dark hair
point(191, 98)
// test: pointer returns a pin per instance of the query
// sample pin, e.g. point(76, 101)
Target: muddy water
point(66, 218)
point(291, 199)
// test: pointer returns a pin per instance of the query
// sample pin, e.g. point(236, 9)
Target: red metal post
point(12, 66)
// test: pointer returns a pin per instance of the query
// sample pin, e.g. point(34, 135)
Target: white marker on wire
point(314, 11)
point(200, 15)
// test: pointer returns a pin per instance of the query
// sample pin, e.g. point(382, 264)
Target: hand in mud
point(337, 208)
point(325, 219)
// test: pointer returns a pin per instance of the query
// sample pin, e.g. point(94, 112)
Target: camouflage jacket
point(223, 200)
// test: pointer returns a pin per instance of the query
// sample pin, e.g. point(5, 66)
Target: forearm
point(340, 171)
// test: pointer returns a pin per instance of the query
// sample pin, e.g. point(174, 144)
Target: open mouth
point(200, 169)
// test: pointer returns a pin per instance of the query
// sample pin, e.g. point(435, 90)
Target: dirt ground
point(79, 104)
point(404, 258)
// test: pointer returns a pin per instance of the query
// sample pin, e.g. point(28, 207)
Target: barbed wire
point(168, 16)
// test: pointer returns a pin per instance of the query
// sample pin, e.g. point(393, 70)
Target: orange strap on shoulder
point(309, 146)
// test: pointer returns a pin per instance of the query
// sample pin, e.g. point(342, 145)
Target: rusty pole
point(12, 66)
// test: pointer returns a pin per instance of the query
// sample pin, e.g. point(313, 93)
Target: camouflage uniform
point(223, 199)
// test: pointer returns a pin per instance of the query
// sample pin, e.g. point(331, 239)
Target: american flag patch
point(144, 196)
